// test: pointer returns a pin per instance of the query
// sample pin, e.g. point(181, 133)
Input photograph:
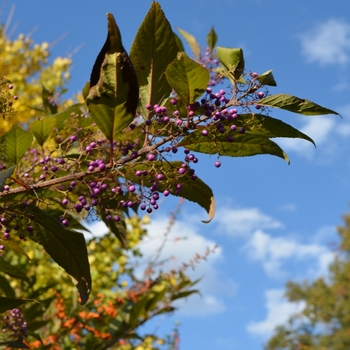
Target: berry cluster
point(14, 325)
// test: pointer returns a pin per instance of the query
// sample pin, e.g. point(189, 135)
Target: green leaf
point(179, 43)
point(16, 142)
point(188, 78)
point(153, 49)
point(259, 124)
point(67, 248)
point(233, 62)
point(63, 116)
point(42, 129)
point(5, 286)
point(49, 108)
point(212, 38)
point(114, 91)
point(185, 294)
point(267, 78)
point(12, 271)
point(243, 145)
point(193, 190)
point(192, 42)
point(5, 174)
point(11, 303)
point(295, 104)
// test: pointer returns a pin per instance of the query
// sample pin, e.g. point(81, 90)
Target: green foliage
point(324, 321)
point(108, 159)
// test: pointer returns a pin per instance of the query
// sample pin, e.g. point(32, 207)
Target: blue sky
point(274, 221)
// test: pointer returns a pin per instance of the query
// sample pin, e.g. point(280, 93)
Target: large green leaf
point(42, 129)
point(15, 143)
point(193, 190)
point(233, 62)
point(192, 42)
point(212, 38)
point(188, 78)
point(295, 104)
point(14, 344)
point(153, 49)
point(179, 43)
point(259, 124)
point(11, 303)
point(243, 145)
point(267, 78)
point(12, 271)
point(114, 93)
point(5, 174)
point(66, 247)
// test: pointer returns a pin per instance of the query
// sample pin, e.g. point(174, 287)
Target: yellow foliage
point(27, 66)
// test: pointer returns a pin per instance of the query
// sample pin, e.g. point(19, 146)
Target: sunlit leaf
point(42, 129)
point(233, 62)
point(12, 271)
point(295, 104)
point(188, 78)
point(154, 47)
point(16, 142)
point(267, 78)
point(50, 106)
point(5, 286)
point(179, 43)
point(192, 42)
point(212, 38)
point(114, 92)
point(242, 146)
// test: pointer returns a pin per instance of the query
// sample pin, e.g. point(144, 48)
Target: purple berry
point(255, 75)
point(173, 101)
point(30, 228)
point(54, 168)
point(94, 202)
point(218, 164)
point(160, 176)
point(132, 188)
point(260, 94)
point(116, 218)
point(73, 138)
point(142, 207)
point(149, 210)
point(6, 188)
point(2, 247)
point(6, 235)
point(148, 106)
point(182, 171)
point(204, 132)
point(65, 222)
point(150, 157)
point(174, 149)
point(138, 173)
point(166, 193)
point(65, 201)
point(10, 86)
point(102, 166)
point(241, 130)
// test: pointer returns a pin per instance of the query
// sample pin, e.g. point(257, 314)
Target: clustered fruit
point(13, 324)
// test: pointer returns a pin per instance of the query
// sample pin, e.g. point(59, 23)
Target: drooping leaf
point(42, 129)
point(233, 62)
point(267, 78)
point(188, 78)
point(5, 174)
point(5, 286)
point(242, 146)
point(11, 303)
point(295, 104)
point(66, 247)
point(193, 190)
point(114, 92)
point(154, 47)
point(212, 38)
point(262, 125)
point(15, 143)
point(192, 43)
point(50, 106)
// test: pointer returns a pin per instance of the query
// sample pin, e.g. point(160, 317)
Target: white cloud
point(273, 252)
point(243, 222)
point(278, 312)
point(327, 43)
point(343, 128)
point(181, 245)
